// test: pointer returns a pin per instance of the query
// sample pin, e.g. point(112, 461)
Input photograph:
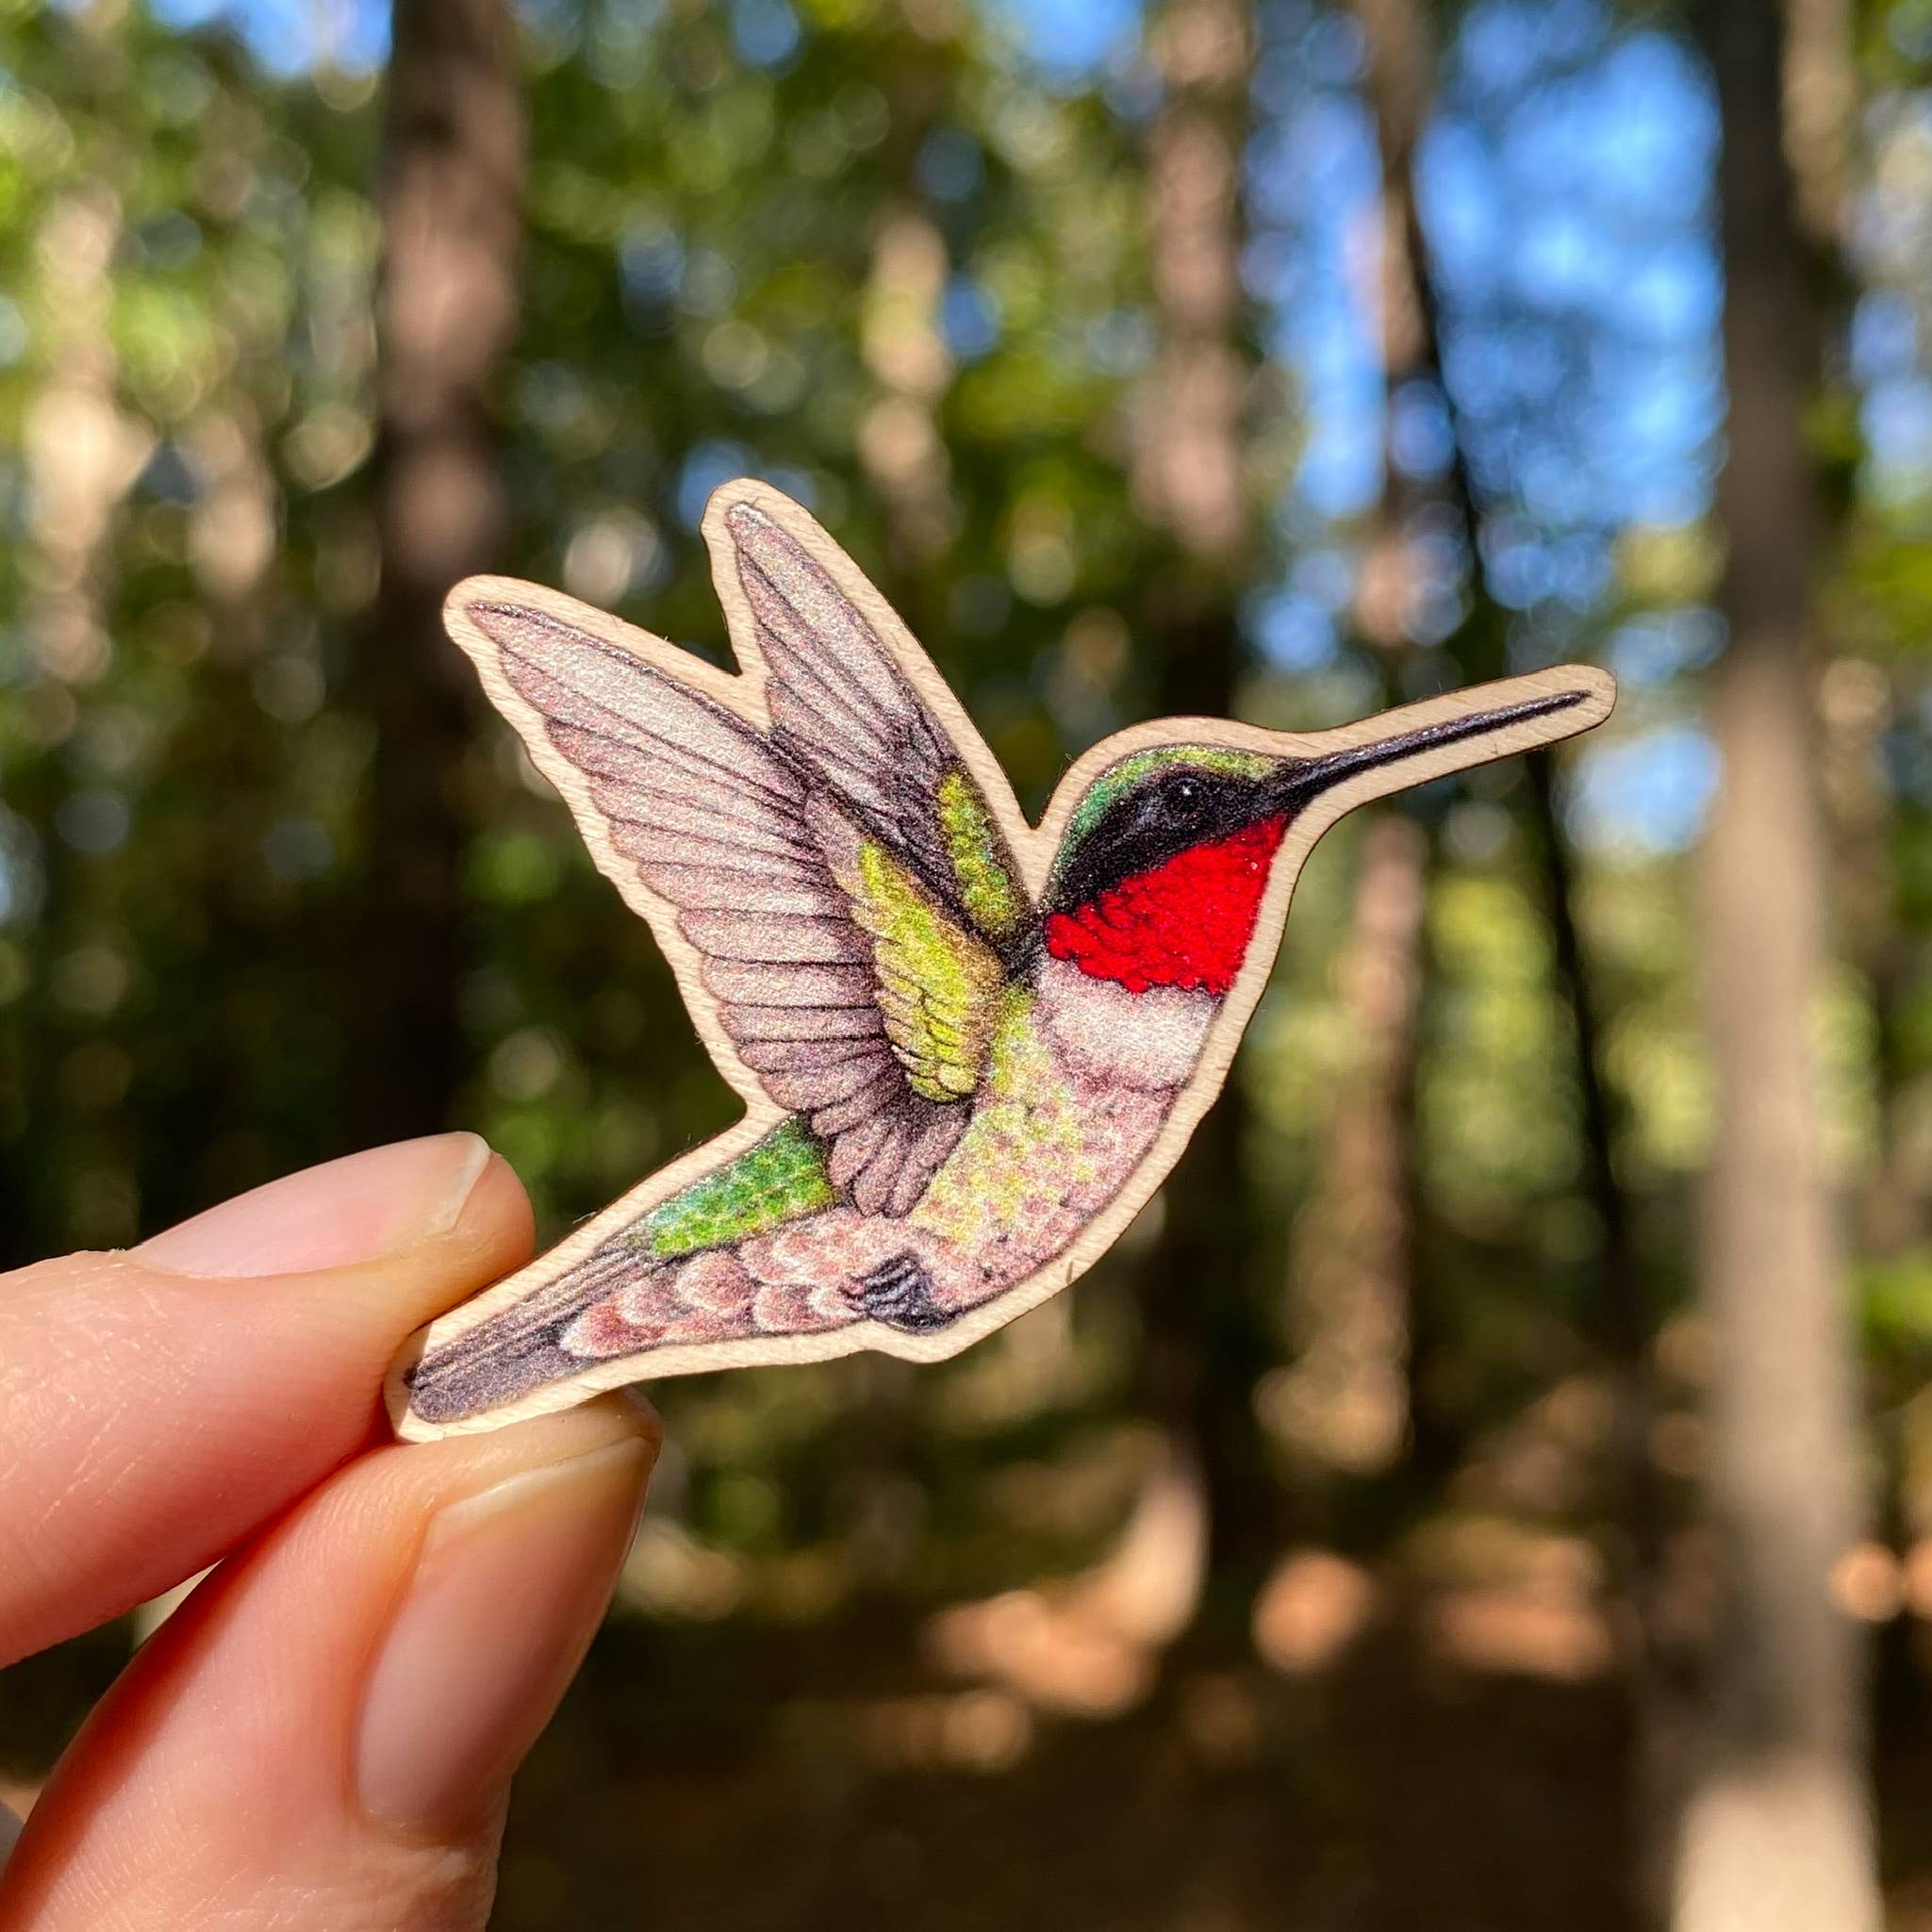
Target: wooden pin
point(970, 1049)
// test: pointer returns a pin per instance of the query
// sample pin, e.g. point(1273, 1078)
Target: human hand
point(322, 1735)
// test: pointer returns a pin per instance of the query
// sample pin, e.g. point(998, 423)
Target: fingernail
point(506, 1594)
point(347, 1211)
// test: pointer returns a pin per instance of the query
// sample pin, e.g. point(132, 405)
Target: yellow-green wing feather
point(938, 983)
point(981, 868)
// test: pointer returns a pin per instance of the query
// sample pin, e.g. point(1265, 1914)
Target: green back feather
point(780, 1179)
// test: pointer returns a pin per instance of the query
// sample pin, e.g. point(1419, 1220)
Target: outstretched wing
point(858, 991)
point(846, 712)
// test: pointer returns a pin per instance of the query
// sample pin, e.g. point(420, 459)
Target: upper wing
point(853, 991)
point(846, 711)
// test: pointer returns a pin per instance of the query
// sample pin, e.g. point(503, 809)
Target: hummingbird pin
point(970, 1049)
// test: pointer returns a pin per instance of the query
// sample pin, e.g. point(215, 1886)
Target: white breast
point(1102, 1031)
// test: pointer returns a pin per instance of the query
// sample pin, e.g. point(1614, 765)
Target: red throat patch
point(1186, 923)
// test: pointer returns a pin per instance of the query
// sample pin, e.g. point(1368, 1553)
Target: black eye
point(1185, 797)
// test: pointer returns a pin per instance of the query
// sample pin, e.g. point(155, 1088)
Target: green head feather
point(1122, 777)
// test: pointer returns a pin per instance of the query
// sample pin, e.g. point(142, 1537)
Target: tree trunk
point(450, 203)
point(1349, 1400)
point(80, 455)
point(1188, 469)
point(1859, 708)
point(1189, 481)
point(899, 439)
point(1401, 84)
point(900, 445)
point(1776, 1835)
point(1345, 1402)
point(1401, 87)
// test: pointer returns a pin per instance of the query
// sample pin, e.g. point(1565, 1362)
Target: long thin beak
point(1322, 774)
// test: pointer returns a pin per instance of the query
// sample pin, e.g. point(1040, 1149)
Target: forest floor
point(819, 1784)
point(743, 1779)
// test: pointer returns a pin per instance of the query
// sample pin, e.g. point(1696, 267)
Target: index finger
point(156, 1406)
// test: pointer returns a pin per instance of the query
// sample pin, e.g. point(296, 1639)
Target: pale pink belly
point(1025, 1179)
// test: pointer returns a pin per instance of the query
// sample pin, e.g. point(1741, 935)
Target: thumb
point(155, 1406)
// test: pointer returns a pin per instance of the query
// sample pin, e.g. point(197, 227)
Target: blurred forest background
point(1492, 1486)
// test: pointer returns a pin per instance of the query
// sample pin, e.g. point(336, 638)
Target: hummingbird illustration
point(970, 1049)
